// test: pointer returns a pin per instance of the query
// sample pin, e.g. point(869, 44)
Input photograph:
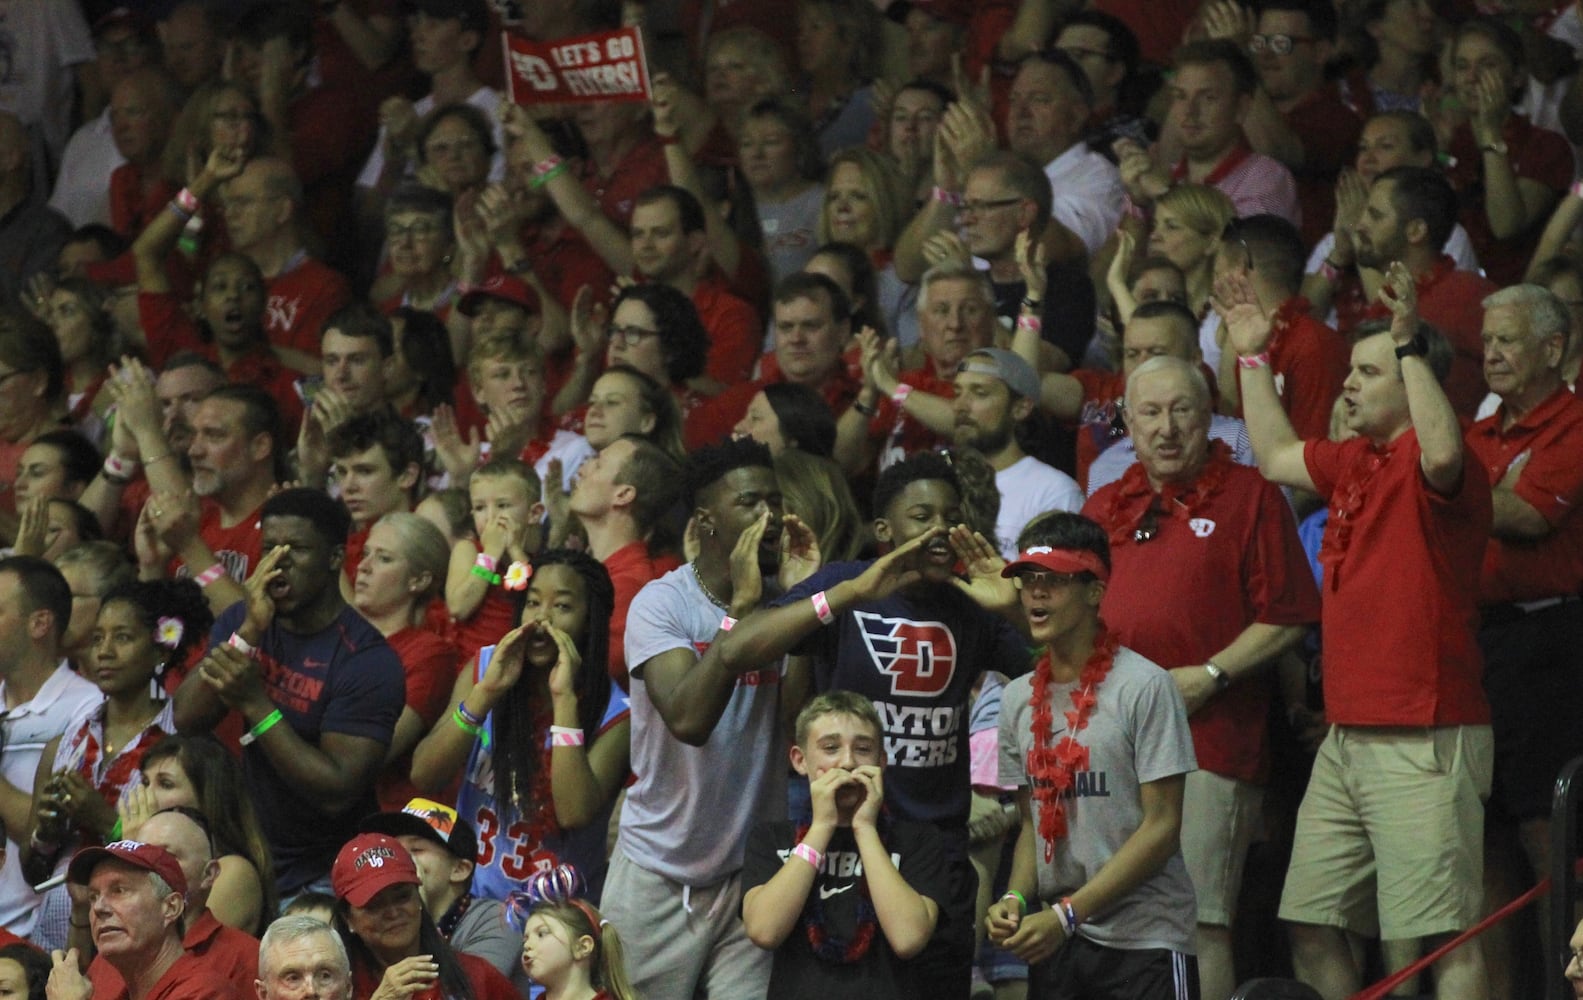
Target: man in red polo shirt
point(621, 493)
point(223, 955)
point(812, 327)
point(1239, 594)
point(1390, 833)
point(1308, 357)
point(1532, 634)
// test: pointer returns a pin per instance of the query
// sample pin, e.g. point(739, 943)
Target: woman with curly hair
point(541, 730)
point(143, 629)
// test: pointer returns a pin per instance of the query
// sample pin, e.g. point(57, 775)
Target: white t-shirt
point(65, 697)
point(1029, 488)
point(1088, 195)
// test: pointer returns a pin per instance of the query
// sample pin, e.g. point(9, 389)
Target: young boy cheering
point(877, 879)
point(1099, 903)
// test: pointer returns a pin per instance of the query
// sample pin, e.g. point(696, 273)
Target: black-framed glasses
point(1044, 580)
point(629, 336)
point(1281, 45)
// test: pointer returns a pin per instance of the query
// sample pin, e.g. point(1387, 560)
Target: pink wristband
point(1031, 323)
point(1260, 360)
point(209, 575)
point(237, 642)
point(727, 623)
point(945, 197)
point(821, 607)
point(810, 855)
point(187, 200)
point(903, 390)
point(1577, 189)
point(486, 561)
point(565, 736)
point(547, 164)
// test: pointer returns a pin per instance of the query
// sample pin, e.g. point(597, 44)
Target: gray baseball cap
point(1011, 369)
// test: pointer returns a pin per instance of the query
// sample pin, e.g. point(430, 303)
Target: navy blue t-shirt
point(915, 656)
point(345, 680)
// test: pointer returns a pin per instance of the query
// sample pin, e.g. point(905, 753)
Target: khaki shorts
point(1219, 817)
point(1390, 836)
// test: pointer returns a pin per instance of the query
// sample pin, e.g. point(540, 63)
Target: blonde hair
point(424, 548)
point(1203, 209)
point(816, 491)
point(608, 962)
point(883, 181)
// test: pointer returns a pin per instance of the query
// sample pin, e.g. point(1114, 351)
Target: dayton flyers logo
point(918, 657)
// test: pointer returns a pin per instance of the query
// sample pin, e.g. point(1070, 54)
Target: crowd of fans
point(430, 516)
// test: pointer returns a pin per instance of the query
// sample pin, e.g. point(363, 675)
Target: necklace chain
point(705, 588)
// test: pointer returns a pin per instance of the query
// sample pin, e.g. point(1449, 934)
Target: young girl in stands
point(567, 947)
point(505, 494)
point(542, 732)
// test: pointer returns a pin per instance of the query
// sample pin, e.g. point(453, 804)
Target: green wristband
point(466, 726)
point(115, 832)
point(264, 725)
point(483, 574)
point(1014, 894)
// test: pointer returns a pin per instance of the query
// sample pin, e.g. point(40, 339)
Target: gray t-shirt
point(689, 814)
point(791, 231)
point(1138, 733)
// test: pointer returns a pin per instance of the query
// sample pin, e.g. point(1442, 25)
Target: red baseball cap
point(959, 12)
point(369, 864)
point(505, 288)
point(1044, 557)
point(148, 857)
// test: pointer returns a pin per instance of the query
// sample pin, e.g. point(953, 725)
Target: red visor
point(1043, 557)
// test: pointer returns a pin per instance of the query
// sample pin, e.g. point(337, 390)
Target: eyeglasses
point(1281, 45)
point(423, 229)
point(629, 336)
point(978, 207)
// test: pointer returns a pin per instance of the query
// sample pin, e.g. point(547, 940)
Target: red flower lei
point(834, 949)
point(1134, 496)
point(1053, 769)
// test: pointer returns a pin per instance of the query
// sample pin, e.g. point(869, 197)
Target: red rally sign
point(608, 66)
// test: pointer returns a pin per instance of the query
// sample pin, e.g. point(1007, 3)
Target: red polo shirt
point(1536, 154)
point(218, 961)
point(641, 168)
point(1452, 301)
point(1234, 560)
point(238, 548)
point(1547, 443)
point(630, 567)
point(1401, 581)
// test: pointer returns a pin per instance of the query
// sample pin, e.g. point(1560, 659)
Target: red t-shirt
point(169, 330)
point(1099, 423)
point(486, 980)
point(1234, 560)
point(131, 206)
point(1401, 582)
point(429, 664)
point(1453, 302)
point(332, 130)
point(493, 618)
point(354, 556)
point(565, 262)
point(900, 432)
point(1547, 443)
point(630, 567)
point(1159, 24)
point(735, 331)
point(1536, 154)
point(1310, 361)
point(237, 548)
point(300, 301)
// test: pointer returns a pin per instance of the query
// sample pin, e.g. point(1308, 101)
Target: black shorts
point(1083, 970)
point(1533, 675)
point(947, 963)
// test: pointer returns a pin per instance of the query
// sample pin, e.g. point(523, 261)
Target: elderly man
point(1238, 595)
point(302, 958)
point(1408, 526)
point(1532, 634)
point(227, 956)
point(136, 898)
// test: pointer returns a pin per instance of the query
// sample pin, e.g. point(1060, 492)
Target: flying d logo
point(1203, 527)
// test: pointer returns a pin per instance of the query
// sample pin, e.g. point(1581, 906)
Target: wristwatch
point(1220, 677)
point(1417, 347)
